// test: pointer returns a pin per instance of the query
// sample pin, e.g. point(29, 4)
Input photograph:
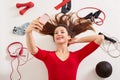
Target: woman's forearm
point(31, 43)
point(96, 38)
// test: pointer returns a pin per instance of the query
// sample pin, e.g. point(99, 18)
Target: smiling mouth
point(59, 38)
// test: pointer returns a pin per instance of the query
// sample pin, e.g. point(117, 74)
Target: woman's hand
point(35, 25)
point(73, 40)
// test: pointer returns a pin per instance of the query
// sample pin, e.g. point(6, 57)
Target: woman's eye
point(62, 32)
point(59, 32)
point(55, 33)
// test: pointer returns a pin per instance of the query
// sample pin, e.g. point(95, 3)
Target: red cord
point(17, 57)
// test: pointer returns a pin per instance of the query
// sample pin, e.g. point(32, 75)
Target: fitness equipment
point(97, 17)
point(27, 6)
point(111, 46)
point(61, 4)
point(66, 8)
point(103, 69)
point(108, 38)
point(93, 16)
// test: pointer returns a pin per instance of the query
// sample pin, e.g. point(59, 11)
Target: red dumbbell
point(27, 6)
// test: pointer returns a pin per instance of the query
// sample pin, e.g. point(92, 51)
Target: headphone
point(20, 49)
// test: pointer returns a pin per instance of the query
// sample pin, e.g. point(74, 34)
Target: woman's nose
point(59, 33)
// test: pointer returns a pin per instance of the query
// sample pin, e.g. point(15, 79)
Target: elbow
point(100, 39)
point(33, 51)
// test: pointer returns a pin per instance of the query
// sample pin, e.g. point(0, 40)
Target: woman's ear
point(69, 37)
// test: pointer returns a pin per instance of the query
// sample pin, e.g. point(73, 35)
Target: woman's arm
point(98, 39)
point(34, 26)
point(95, 41)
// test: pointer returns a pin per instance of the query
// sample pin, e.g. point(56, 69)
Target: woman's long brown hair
point(73, 24)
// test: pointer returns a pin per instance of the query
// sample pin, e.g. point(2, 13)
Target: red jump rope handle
point(27, 4)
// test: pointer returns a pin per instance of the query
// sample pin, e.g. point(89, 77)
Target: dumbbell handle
point(27, 4)
point(108, 38)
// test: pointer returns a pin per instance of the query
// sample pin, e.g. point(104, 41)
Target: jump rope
point(17, 52)
point(95, 17)
point(111, 45)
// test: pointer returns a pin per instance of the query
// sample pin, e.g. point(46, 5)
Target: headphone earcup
point(18, 50)
point(13, 56)
point(21, 51)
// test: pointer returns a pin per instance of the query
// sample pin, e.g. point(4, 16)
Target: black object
point(89, 16)
point(103, 69)
point(93, 16)
point(108, 38)
point(96, 14)
point(66, 8)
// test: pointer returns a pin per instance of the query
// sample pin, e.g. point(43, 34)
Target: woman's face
point(61, 35)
